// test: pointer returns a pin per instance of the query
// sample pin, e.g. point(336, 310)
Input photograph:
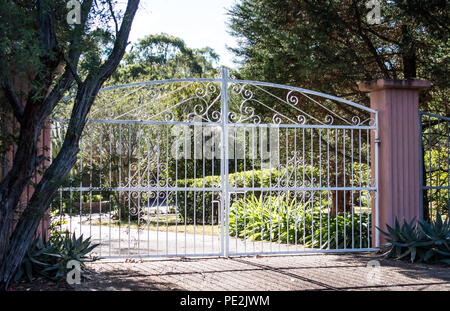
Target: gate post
point(398, 194)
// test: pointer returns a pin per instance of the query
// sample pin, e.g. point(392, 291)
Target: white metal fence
point(153, 177)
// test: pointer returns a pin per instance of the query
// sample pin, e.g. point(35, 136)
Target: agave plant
point(50, 258)
point(438, 233)
point(421, 241)
point(67, 248)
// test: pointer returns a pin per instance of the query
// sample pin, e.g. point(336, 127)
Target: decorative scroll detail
point(208, 97)
point(296, 102)
point(246, 112)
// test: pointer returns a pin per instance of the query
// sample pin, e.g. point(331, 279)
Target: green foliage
point(50, 258)
point(325, 236)
point(187, 200)
point(161, 56)
point(286, 219)
point(329, 45)
point(437, 168)
point(421, 241)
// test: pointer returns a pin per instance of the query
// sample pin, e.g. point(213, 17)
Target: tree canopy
point(329, 46)
point(161, 56)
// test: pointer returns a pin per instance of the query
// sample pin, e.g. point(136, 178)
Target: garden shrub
point(285, 219)
point(50, 258)
point(187, 200)
point(422, 241)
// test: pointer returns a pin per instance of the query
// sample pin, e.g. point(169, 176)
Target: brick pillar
point(43, 147)
point(397, 103)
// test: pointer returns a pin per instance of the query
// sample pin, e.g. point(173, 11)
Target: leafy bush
point(50, 258)
point(257, 178)
point(357, 236)
point(284, 219)
point(421, 241)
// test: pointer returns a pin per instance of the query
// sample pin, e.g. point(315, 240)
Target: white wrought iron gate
point(210, 167)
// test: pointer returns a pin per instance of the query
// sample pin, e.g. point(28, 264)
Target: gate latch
point(377, 141)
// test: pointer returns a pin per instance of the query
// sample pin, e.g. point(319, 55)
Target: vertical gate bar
point(328, 185)
point(203, 192)
point(304, 185)
point(421, 165)
point(139, 193)
point(158, 184)
point(147, 204)
point(176, 185)
point(244, 145)
point(100, 185)
point(187, 131)
point(261, 185)
point(270, 185)
point(320, 191)
point(278, 183)
point(377, 216)
point(110, 153)
point(129, 187)
point(295, 185)
point(167, 193)
point(119, 200)
point(90, 184)
point(344, 192)
point(337, 192)
point(360, 191)
point(368, 181)
point(312, 185)
point(287, 185)
point(235, 183)
point(110, 207)
point(195, 185)
point(225, 198)
point(213, 143)
point(352, 181)
point(253, 185)
point(110, 184)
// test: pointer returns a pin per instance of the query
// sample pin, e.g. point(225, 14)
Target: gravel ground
point(334, 272)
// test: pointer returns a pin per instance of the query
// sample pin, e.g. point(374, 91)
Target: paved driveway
point(126, 241)
point(267, 273)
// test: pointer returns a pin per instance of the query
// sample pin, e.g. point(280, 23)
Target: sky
point(199, 23)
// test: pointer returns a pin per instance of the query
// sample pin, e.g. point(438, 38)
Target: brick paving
point(266, 273)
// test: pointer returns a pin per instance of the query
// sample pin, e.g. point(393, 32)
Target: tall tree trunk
point(409, 56)
point(13, 246)
point(340, 199)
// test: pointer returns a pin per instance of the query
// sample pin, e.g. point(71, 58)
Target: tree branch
point(113, 16)
point(121, 42)
point(10, 92)
point(73, 71)
point(65, 81)
point(47, 35)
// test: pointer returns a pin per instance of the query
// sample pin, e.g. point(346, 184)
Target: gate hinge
point(377, 141)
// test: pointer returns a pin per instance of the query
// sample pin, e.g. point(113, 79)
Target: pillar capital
point(382, 84)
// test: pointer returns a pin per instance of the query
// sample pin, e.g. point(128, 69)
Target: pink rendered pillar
point(397, 103)
point(43, 147)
